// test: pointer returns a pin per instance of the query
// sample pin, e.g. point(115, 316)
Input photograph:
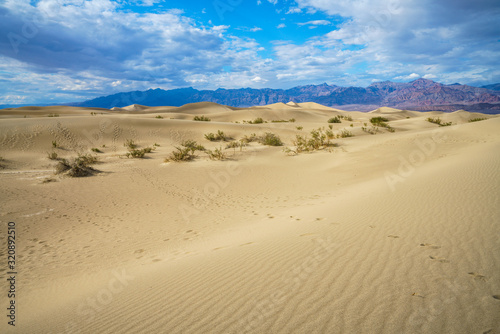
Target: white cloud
point(281, 25)
point(315, 23)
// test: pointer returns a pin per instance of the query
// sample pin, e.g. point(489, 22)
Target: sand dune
point(384, 233)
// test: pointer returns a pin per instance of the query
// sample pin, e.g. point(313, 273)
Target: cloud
point(294, 10)
point(315, 23)
point(281, 25)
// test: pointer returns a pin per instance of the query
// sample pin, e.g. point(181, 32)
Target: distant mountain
point(421, 93)
point(492, 87)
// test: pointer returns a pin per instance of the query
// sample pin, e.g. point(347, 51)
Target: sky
point(59, 51)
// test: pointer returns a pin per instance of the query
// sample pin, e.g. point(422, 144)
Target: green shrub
point(216, 154)
point(77, 167)
point(299, 127)
point(186, 152)
point(335, 119)
point(345, 134)
point(248, 139)
point(96, 150)
point(438, 121)
point(201, 119)
point(258, 120)
point(53, 115)
point(52, 155)
point(373, 130)
point(476, 119)
point(220, 136)
point(347, 118)
point(159, 116)
point(130, 144)
point(320, 139)
point(270, 139)
point(54, 144)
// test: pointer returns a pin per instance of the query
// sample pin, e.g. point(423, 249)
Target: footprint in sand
point(371, 226)
point(139, 251)
point(440, 259)
point(478, 276)
point(430, 246)
point(393, 236)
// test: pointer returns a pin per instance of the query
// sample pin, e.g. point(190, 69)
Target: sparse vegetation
point(53, 115)
point(236, 144)
point(159, 116)
point(476, 119)
point(216, 154)
point(258, 120)
point(219, 136)
point(438, 121)
point(156, 145)
point(347, 118)
point(201, 119)
point(248, 139)
point(186, 152)
point(96, 150)
point(299, 128)
point(320, 139)
point(291, 120)
point(270, 139)
point(381, 122)
point(93, 113)
point(373, 130)
point(129, 143)
point(54, 144)
point(77, 167)
point(52, 155)
point(335, 119)
point(345, 134)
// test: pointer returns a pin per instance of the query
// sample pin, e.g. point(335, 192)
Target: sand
point(385, 233)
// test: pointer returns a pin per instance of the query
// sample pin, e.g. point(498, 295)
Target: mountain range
point(421, 94)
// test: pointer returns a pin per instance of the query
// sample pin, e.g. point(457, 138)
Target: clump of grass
point(345, 134)
point(236, 144)
point(93, 113)
point(129, 143)
point(299, 128)
point(347, 118)
point(186, 152)
point(138, 153)
point(373, 130)
point(291, 120)
point(159, 116)
point(381, 121)
point(156, 145)
point(270, 139)
point(52, 155)
point(216, 154)
point(219, 136)
point(77, 167)
point(96, 150)
point(438, 121)
point(54, 144)
point(335, 119)
point(248, 139)
point(201, 119)
point(476, 119)
point(320, 139)
point(53, 115)
point(258, 120)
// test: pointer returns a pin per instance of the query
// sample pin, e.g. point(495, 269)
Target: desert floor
point(385, 233)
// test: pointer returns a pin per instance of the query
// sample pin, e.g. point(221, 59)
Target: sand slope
point(388, 233)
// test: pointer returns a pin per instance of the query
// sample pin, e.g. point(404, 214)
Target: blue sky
point(56, 51)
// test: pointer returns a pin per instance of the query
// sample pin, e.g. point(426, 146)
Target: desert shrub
point(270, 139)
point(258, 120)
point(335, 119)
point(201, 119)
point(347, 118)
point(53, 115)
point(345, 134)
point(216, 154)
point(248, 139)
point(156, 145)
point(219, 136)
point(130, 144)
point(159, 116)
point(438, 121)
point(390, 128)
point(96, 150)
point(379, 121)
point(320, 139)
point(186, 152)
point(77, 167)
point(373, 130)
point(135, 153)
point(52, 155)
point(236, 144)
point(299, 127)
point(291, 120)
point(54, 144)
point(476, 119)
